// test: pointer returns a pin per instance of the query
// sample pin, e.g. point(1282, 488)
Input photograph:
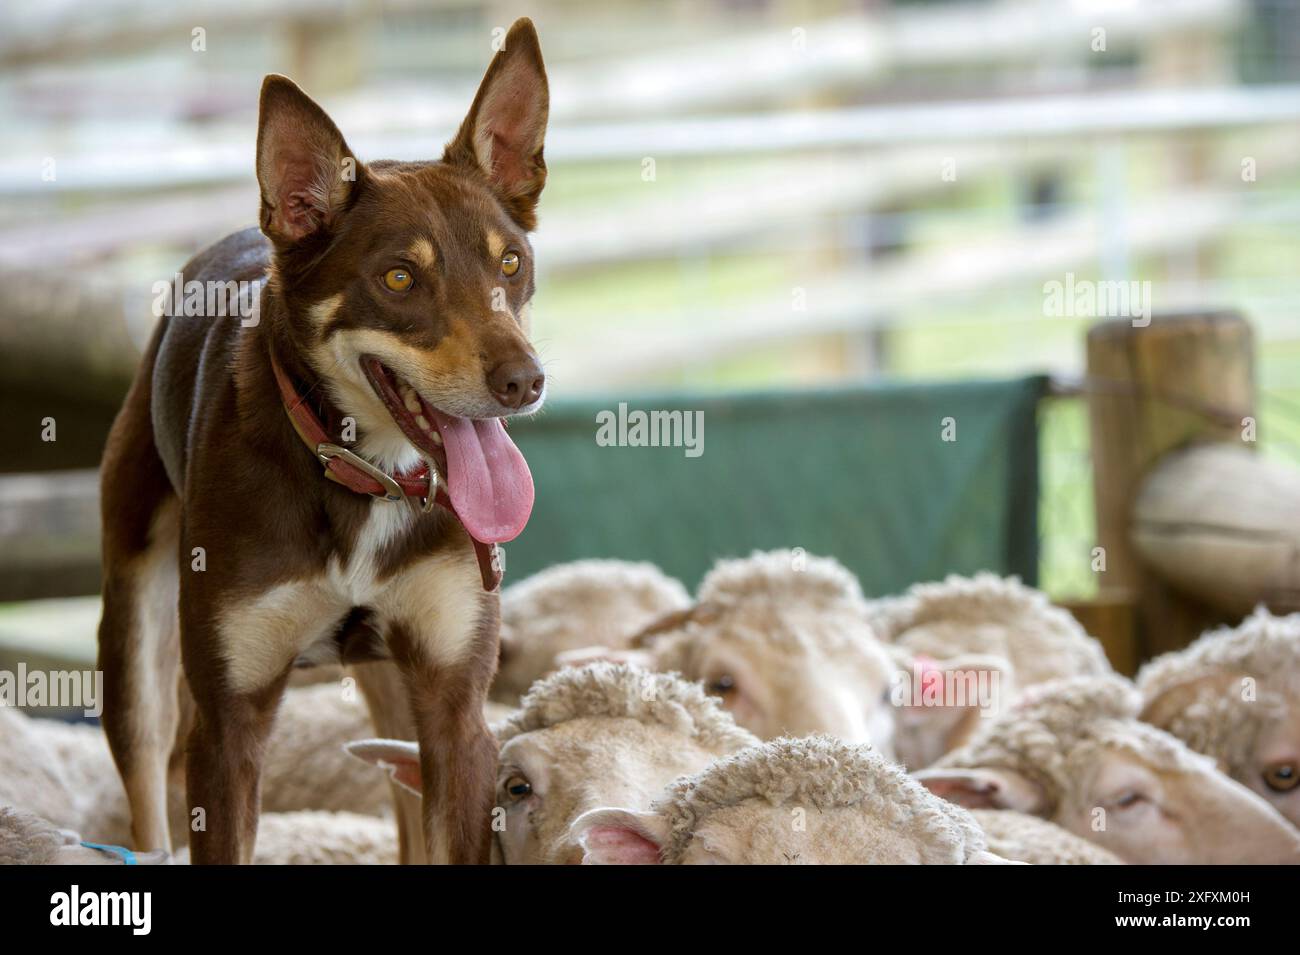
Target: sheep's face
point(1190, 813)
point(1273, 769)
point(789, 672)
point(1249, 723)
point(549, 777)
point(1139, 793)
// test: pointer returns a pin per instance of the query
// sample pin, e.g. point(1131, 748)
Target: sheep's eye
point(1281, 777)
point(518, 787)
point(1130, 799)
point(398, 280)
point(722, 685)
point(510, 263)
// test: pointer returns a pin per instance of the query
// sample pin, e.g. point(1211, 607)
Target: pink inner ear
point(618, 845)
point(302, 204)
point(407, 772)
point(509, 165)
point(931, 673)
point(966, 792)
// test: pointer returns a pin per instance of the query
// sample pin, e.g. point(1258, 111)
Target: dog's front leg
point(223, 773)
point(237, 658)
point(443, 633)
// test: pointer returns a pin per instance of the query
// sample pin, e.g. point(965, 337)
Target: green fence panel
point(864, 474)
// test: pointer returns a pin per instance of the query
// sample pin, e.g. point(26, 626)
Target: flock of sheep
point(777, 717)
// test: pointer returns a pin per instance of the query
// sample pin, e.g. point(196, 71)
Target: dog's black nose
point(517, 382)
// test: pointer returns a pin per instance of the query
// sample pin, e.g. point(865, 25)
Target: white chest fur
point(355, 581)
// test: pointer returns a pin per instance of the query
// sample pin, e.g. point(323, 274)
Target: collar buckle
point(331, 452)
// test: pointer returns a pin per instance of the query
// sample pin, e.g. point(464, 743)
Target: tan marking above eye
point(496, 245)
point(399, 280)
point(422, 253)
point(510, 263)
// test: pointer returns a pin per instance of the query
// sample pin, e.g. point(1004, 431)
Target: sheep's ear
point(674, 620)
point(976, 683)
point(503, 134)
point(306, 173)
point(400, 757)
point(1161, 710)
point(620, 837)
point(984, 789)
point(585, 655)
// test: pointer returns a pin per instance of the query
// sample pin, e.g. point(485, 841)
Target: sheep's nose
point(517, 382)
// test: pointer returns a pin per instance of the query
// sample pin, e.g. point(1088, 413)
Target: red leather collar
point(356, 474)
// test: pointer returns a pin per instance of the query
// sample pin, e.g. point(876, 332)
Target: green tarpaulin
point(862, 474)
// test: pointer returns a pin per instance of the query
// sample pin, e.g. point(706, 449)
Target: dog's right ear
point(306, 173)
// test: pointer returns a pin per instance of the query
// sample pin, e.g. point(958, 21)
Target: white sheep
point(1234, 695)
point(584, 737)
point(809, 801)
point(782, 638)
point(990, 615)
point(290, 838)
point(65, 770)
point(572, 605)
point(29, 839)
point(1074, 752)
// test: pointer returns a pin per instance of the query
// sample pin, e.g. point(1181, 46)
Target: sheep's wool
point(1215, 720)
point(566, 589)
point(822, 773)
point(781, 575)
point(617, 690)
point(1045, 641)
point(1058, 727)
point(27, 839)
point(775, 598)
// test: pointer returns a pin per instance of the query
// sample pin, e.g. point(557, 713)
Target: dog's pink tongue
point(490, 486)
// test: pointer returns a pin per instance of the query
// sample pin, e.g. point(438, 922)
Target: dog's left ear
point(503, 134)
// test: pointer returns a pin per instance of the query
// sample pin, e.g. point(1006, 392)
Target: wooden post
point(1181, 380)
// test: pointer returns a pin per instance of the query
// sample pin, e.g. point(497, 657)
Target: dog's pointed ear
point(503, 134)
point(305, 171)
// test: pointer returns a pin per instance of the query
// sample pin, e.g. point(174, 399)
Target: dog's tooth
point(423, 422)
point(437, 438)
point(412, 402)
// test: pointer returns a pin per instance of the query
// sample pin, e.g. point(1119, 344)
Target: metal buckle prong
point(392, 490)
point(428, 500)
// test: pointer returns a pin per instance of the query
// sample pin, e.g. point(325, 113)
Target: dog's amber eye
point(399, 280)
point(518, 787)
point(510, 263)
point(1282, 777)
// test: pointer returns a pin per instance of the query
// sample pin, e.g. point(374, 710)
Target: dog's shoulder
point(243, 256)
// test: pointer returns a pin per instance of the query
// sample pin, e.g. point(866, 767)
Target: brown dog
point(392, 327)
